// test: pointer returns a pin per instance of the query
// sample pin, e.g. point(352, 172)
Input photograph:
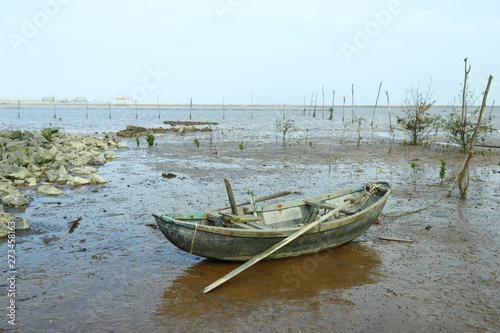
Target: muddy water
point(114, 273)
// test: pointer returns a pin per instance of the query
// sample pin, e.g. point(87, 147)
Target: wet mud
point(114, 272)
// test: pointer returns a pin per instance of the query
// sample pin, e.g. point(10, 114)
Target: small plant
point(150, 138)
point(284, 127)
point(137, 141)
point(47, 135)
point(359, 121)
point(197, 142)
point(241, 146)
point(416, 119)
point(442, 169)
point(413, 165)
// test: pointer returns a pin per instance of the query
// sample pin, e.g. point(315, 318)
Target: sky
point(239, 51)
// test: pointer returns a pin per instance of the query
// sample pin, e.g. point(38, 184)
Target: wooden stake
point(190, 107)
point(158, 103)
point(376, 102)
point(463, 181)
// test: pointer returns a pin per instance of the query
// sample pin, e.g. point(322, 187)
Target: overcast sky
point(276, 50)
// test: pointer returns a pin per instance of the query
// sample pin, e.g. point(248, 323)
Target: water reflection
point(279, 282)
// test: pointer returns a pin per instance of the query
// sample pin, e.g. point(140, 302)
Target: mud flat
point(113, 272)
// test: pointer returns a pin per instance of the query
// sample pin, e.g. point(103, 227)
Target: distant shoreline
point(168, 106)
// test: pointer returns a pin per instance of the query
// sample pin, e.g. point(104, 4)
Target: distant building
point(122, 99)
point(48, 100)
point(80, 100)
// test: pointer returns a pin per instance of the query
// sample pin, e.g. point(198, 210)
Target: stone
point(52, 176)
point(43, 157)
point(30, 181)
point(96, 179)
point(78, 181)
point(14, 199)
point(77, 162)
point(131, 131)
point(50, 190)
point(97, 160)
point(62, 170)
point(6, 188)
point(109, 155)
point(65, 179)
point(86, 170)
point(4, 229)
point(16, 146)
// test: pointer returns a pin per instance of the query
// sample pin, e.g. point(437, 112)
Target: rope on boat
point(370, 193)
point(447, 193)
point(194, 236)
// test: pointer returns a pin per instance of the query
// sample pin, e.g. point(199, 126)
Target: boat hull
point(230, 244)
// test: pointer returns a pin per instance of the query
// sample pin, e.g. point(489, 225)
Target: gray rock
point(62, 170)
point(43, 157)
point(78, 162)
point(52, 176)
point(78, 181)
point(86, 170)
point(4, 230)
point(131, 131)
point(97, 160)
point(14, 199)
point(6, 220)
point(6, 187)
point(96, 179)
point(50, 190)
point(16, 146)
point(109, 155)
point(65, 179)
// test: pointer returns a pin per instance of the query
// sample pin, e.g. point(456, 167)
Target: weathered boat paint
point(197, 234)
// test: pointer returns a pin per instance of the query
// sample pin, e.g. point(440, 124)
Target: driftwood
point(397, 239)
point(73, 224)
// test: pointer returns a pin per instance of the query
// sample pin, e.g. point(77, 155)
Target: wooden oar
point(264, 198)
point(275, 247)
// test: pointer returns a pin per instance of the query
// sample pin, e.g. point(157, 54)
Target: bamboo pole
point(223, 108)
point(376, 102)
point(158, 103)
point(333, 103)
point(259, 199)
point(251, 113)
point(463, 181)
point(190, 108)
point(323, 109)
point(352, 101)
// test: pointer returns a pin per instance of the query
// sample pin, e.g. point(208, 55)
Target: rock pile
point(29, 158)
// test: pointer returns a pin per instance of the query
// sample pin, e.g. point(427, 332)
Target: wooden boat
point(239, 234)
